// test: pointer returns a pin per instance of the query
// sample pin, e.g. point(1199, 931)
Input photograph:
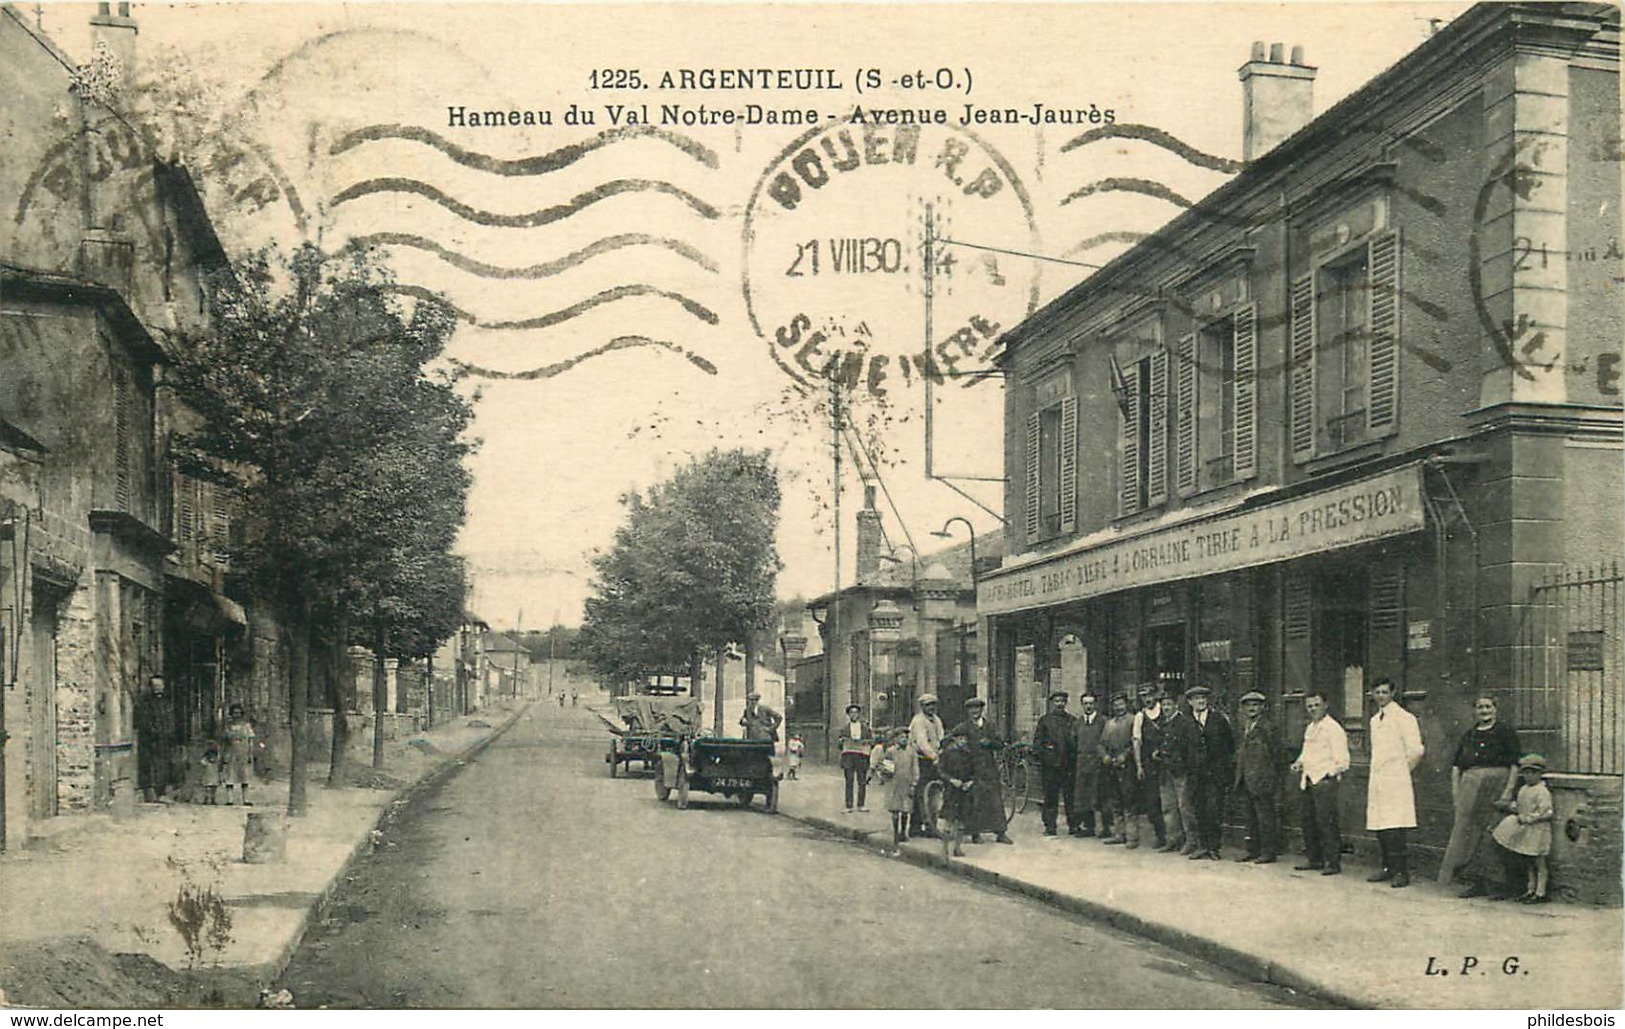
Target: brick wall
point(76, 678)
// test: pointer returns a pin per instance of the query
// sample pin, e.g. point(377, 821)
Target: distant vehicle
point(653, 725)
point(665, 686)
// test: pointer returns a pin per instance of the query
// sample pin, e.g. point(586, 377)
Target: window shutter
point(1069, 464)
point(1128, 453)
point(122, 417)
point(1303, 368)
point(1033, 490)
point(1385, 624)
point(220, 522)
point(185, 508)
point(1185, 475)
point(1245, 430)
point(1382, 407)
point(1297, 664)
point(1156, 465)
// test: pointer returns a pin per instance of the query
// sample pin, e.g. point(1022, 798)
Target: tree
point(316, 401)
point(691, 571)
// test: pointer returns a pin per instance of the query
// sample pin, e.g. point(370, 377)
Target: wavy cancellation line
point(538, 165)
point(1127, 185)
point(1156, 137)
point(698, 310)
point(529, 220)
point(618, 343)
point(483, 269)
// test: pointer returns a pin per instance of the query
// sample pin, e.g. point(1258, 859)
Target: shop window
point(1345, 349)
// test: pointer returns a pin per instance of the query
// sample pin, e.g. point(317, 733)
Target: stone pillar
point(1521, 228)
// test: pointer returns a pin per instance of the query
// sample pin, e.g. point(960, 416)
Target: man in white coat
point(1390, 806)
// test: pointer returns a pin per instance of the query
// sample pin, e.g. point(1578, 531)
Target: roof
point(18, 280)
point(1444, 50)
point(898, 576)
point(504, 642)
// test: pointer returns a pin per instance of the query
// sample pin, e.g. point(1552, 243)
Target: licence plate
point(732, 782)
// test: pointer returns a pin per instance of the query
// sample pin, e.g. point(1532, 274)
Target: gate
point(1569, 669)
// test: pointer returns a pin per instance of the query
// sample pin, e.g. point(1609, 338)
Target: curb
point(1254, 966)
point(269, 972)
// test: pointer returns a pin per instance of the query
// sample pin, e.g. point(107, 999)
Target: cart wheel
point(682, 789)
point(662, 791)
point(773, 796)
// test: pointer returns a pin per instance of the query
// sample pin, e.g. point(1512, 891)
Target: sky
point(655, 286)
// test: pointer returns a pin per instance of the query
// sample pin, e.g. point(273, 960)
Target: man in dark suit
point(1259, 764)
point(1215, 767)
point(1089, 786)
point(1057, 762)
point(986, 812)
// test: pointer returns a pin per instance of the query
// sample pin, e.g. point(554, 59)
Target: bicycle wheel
point(931, 802)
point(1021, 778)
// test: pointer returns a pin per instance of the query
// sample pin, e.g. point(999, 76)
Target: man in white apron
point(1390, 804)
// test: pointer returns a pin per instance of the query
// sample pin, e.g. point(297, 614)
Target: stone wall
point(1586, 839)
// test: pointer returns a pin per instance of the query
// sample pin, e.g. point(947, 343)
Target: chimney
point(1276, 99)
point(117, 32)
point(869, 536)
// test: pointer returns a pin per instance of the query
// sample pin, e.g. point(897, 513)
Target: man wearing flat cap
point(1215, 765)
point(986, 796)
point(1057, 759)
point(857, 739)
point(1117, 758)
point(925, 741)
point(760, 721)
point(1257, 784)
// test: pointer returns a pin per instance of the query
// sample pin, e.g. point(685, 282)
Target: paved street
point(533, 879)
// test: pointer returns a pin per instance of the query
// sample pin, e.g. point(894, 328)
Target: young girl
point(1525, 835)
point(900, 795)
point(238, 756)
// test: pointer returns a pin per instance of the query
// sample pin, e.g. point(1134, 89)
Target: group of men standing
point(1161, 774)
point(1161, 771)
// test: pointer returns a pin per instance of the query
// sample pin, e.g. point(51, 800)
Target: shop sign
point(1213, 650)
point(1361, 512)
point(1419, 636)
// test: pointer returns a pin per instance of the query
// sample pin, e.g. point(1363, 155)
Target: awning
point(1358, 512)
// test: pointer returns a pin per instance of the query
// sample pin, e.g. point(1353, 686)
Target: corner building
point(1354, 415)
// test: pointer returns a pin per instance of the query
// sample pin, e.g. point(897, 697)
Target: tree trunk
point(380, 697)
point(298, 695)
point(428, 691)
point(400, 689)
point(339, 698)
point(716, 701)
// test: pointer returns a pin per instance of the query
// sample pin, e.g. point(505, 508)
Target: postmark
point(835, 249)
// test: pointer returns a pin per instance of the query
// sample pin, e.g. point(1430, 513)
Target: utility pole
point(834, 648)
point(929, 266)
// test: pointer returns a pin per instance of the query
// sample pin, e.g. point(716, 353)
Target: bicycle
point(1018, 770)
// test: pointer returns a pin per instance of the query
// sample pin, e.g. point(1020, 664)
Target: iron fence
point(1568, 696)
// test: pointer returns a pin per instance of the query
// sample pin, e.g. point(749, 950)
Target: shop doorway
point(1339, 636)
point(42, 626)
point(1165, 655)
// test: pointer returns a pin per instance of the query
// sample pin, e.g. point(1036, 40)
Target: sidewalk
point(108, 883)
point(1340, 938)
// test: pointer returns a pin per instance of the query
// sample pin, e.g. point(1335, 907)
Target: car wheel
point(773, 796)
point(662, 791)
point(682, 789)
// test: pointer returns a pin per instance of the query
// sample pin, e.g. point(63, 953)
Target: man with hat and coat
point(1090, 786)
point(1212, 771)
point(1259, 761)
point(986, 796)
point(1057, 761)
point(760, 721)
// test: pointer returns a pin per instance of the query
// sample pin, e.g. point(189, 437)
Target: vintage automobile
point(738, 769)
point(652, 724)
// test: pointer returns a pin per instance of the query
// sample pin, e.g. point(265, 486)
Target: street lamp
point(945, 534)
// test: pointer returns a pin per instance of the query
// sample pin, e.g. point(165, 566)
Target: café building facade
point(1338, 422)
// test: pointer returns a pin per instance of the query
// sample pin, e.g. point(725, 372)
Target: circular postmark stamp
point(853, 224)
